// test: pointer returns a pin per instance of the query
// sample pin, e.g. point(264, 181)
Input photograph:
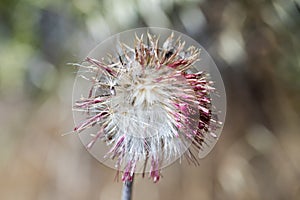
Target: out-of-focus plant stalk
point(127, 189)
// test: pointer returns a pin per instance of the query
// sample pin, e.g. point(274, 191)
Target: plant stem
point(127, 189)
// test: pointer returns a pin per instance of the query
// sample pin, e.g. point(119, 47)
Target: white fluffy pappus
point(148, 105)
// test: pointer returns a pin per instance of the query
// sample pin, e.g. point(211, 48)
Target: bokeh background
point(256, 46)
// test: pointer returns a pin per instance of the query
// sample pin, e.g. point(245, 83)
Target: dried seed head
point(148, 103)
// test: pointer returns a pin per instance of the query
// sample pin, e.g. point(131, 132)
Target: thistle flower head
point(148, 104)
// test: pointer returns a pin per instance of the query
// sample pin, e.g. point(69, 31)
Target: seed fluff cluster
point(149, 105)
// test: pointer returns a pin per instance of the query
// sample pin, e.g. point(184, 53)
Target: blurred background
point(256, 46)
